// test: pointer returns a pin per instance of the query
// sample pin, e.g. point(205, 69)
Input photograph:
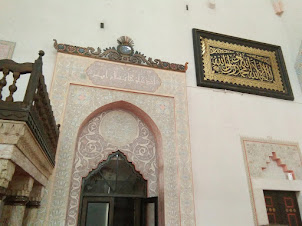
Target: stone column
point(32, 206)
point(7, 169)
point(16, 199)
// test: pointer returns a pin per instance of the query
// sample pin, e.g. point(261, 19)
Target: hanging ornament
point(278, 7)
point(212, 4)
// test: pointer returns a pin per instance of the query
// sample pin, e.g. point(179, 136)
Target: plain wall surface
point(163, 30)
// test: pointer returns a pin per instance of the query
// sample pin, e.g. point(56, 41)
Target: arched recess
point(86, 162)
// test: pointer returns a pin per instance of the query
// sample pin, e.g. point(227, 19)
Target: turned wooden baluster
point(3, 81)
point(13, 88)
point(41, 110)
point(45, 111)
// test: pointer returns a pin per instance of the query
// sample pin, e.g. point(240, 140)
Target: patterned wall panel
point(258, 155)
point(267, 164)
point(75, 96)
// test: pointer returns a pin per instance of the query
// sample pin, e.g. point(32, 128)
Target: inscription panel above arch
point(123, 76)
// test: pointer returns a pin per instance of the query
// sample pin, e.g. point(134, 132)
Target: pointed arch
point(81, 172)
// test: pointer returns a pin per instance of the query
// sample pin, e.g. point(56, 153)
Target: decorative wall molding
point(116, 54)
point(12, 153)
point(6, 49)
point(132, 137)
point(75, 99)
point(257, 153)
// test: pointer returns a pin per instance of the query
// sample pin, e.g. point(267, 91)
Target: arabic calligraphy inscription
point(240, 65)
point(123, 76)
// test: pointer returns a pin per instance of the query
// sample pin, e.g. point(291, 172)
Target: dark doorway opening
point(282, 208)
point(115, 194)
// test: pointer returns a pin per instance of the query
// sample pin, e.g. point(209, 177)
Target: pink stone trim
point(278, 161)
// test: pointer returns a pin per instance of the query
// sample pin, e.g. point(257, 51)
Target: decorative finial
point(125, 46)
point(41, 53)
point(186, 66)
point(278, 7)
point(125, 40)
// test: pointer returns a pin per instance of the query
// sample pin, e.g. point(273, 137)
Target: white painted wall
point(163, 29)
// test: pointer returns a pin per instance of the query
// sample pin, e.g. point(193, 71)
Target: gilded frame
point(226, 62)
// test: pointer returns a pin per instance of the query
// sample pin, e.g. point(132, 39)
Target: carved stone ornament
point(123, 53)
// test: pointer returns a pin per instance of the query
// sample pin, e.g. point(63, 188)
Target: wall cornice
point(18, 134)
point(116, 54)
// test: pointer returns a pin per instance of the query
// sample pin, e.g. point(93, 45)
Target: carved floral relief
point(74, 97)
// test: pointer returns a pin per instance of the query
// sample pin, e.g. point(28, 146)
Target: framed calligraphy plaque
point(226, 62)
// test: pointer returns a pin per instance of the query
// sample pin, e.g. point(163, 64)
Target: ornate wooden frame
point(227, 62)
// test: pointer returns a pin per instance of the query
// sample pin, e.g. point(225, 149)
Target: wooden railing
point(35, 109)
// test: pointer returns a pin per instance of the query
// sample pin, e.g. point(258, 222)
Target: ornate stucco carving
point(273, 171)
point(7, 169)
point(258, 154)
point(75, 97)
point(18, 134)
point(105, 134)
point(114, 54)
point(118, 128)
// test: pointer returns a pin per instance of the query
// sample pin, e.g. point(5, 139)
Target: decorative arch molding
point(124, 105)
point(93, 148)
point(274, 157)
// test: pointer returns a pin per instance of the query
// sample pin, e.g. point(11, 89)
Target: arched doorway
point(115, 194)
point(124, 127)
